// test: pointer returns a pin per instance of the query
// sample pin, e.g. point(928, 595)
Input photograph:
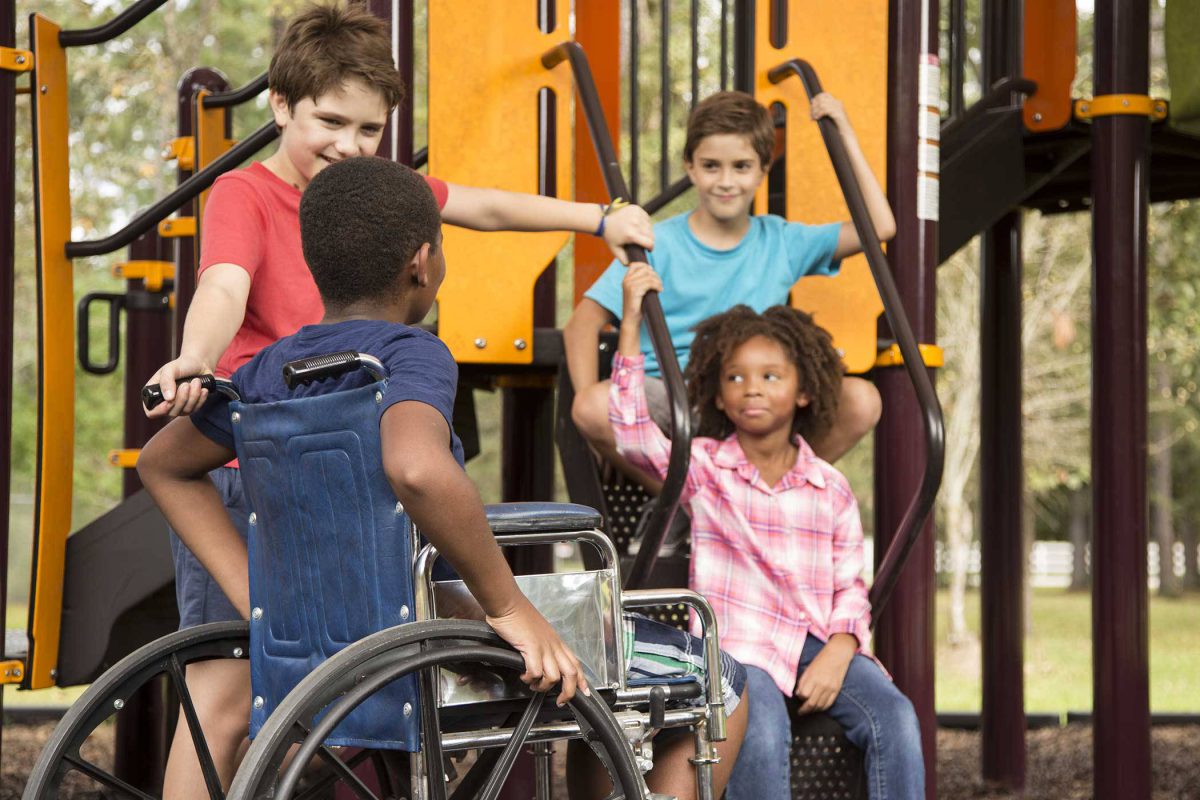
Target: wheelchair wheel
point(305, 718)
point(62, 759)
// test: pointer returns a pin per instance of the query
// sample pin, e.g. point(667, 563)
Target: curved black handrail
point(184, 192)
point(999, 95)
point(667, 502)
point(656, 203)
point(235, 97)
point(111, 29)
point(893, 308)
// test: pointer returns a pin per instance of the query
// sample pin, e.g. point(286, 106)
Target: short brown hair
point(808, 346)
point(731, 112)
point(325, 46)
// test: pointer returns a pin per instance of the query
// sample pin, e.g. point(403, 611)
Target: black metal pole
point(1001, 465)
point(113, 28)
point(8, 134)
point(1120, 172)
point(905, 640)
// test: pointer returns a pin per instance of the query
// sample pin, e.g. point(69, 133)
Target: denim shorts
point(199, 597)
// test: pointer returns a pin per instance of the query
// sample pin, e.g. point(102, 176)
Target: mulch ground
point(1059, 763)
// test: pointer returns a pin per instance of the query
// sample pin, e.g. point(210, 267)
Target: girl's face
point(760, 390)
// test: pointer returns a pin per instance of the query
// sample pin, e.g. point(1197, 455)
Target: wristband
point(616, 205)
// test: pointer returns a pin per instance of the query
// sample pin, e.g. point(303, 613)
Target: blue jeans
point(877, 718)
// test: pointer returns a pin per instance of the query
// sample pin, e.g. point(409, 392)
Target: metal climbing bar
point(667, 503)
point(931, 410)
point(113, 28)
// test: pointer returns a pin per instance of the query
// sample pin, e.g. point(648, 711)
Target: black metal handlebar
point(235, 97)
point(111, 29)
point(893, 308)
point(667, 502)
point(184, 192)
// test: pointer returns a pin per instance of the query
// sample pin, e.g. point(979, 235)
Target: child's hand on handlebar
point(179, 399)
point(826, 105)
point(639, 279)
point(628, 225)
point(547, 658)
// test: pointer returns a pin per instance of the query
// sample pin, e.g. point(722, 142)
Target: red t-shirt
point(252, 219)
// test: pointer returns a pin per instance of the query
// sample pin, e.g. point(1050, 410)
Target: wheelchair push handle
point(306, 370)
point(152, 395)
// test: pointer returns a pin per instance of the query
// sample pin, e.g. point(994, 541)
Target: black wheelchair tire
point(165, 656)
point(391, 653)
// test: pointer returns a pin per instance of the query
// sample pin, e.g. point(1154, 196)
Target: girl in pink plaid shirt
point(777, 544)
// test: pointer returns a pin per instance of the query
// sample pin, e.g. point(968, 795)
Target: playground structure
point(1026, 139)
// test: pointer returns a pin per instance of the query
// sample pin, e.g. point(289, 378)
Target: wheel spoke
point(211, 780)
point(318, 787)
point(345, 771)
point(431, 733)
point(495, 783)
point(109, 780)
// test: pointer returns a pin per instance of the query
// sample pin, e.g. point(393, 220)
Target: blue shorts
point(656, 652)
point(199, 597)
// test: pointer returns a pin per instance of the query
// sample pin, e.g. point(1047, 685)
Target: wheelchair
point(360, 677)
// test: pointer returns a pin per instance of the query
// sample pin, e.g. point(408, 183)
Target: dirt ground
point(1059, 765)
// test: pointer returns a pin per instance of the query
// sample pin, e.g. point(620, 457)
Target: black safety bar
point(420, 158)
point(656, 203)
point(235, 97)
point(183, 193)
point(999, 95)
point(113, 28)
point(667, 502)
point(893, 309)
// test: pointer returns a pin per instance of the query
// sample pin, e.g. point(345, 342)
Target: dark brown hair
point(731, 112)
point(810, 348)
point(361, 221)
point(327, 45)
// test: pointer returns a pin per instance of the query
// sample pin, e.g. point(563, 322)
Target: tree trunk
point(1079, 529)
point(1162, 520)
point(1186, 531)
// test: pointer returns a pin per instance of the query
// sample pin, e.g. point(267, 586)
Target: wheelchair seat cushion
point(534, 517)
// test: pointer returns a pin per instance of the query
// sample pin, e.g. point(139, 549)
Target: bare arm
point(442, 501)
point(174, 468)
point(825, 105)
point(213, 319)
point(581, 341)
point(499, 210)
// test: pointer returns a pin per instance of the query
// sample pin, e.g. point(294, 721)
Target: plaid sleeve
point(851, 606)
point(638, 437)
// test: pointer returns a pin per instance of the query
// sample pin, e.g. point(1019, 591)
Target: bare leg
point(859, 409)
point(220, 691)
point(590, 414)
point(673, 772)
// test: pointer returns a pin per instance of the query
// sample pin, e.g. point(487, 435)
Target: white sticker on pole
point(929, 92)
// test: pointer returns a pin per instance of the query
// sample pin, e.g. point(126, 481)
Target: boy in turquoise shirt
point(719, 255)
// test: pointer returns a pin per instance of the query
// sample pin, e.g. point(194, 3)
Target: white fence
point(1050, 563)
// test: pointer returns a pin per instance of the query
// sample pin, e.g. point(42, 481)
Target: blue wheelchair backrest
point(330, 551)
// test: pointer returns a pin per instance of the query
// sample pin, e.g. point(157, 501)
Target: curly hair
point(361, 222)
point(329, 44)
point(810, 348)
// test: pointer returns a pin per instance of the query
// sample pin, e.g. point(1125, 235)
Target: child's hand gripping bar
point(152, 394)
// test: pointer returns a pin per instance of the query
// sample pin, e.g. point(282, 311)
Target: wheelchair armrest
point(538, 517)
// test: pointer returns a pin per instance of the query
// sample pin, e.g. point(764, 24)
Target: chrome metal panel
point(579, 605)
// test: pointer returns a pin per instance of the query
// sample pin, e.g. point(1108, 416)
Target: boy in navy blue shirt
point(372, 237)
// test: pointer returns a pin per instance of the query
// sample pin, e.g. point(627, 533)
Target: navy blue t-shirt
point(419, 367)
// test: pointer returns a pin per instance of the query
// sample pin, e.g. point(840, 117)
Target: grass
point(1058, 654)
point(1058, 672)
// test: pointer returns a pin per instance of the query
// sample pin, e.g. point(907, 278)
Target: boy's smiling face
point(341, 123)
point(726, 172)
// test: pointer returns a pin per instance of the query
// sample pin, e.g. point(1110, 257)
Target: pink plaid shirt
point(776, 563)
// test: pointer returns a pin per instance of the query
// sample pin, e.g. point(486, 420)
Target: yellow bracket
point(125, 459)
point(177, 227)
point(931, 354)
point(1109, 105)
point(12, 671)
point(152, 273)
point(181, 150)
point(13, 60)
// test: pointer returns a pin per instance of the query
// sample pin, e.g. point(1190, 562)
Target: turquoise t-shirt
point(699, 281)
